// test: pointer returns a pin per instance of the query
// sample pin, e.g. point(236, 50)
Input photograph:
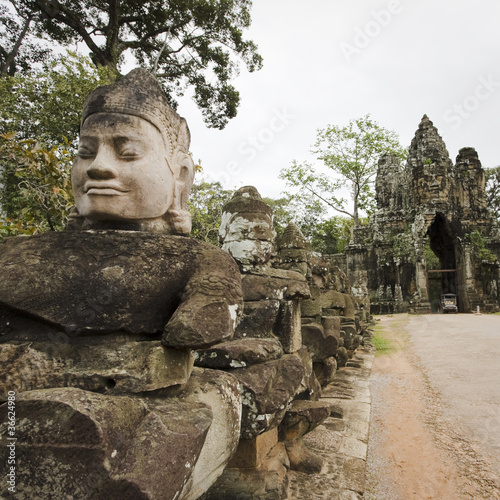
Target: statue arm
point(211, 303)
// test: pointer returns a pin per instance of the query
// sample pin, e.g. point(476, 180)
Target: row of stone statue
point(149, 365)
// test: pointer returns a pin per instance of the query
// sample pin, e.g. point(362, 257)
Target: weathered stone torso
point(106, 281)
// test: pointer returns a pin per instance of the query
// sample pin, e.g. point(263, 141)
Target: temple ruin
point(431, 234)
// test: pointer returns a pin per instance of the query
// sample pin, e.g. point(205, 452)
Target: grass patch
point(382, 344)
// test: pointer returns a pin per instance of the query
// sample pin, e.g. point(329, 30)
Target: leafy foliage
point(305, 213)
point(327, 235)
point(350, 155)
point(332, 235)
point(205, 203)
point(187, 43)
point(493, 190)
point(46, 103)
point(480, 247)
point(431, 259)
point(208, 199)
point(35, 186)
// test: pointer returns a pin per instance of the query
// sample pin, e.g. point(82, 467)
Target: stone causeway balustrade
point(149, 365)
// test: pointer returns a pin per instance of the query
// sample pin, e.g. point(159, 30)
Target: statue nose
point(102, 168)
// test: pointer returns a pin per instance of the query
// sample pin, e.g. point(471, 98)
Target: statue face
point(248, 238)
point(433, 182)
point(121, 171)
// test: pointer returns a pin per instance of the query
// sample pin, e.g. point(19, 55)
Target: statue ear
point(178, 217)
point(184, 181)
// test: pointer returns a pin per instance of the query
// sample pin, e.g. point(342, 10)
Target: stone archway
point(446, 247)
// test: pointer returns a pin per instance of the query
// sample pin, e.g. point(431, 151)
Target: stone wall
point(299, 324)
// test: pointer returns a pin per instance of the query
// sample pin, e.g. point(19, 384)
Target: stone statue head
point(133, 169)
point(247, 231)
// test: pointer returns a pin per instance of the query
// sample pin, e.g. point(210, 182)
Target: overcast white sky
point(328, 61)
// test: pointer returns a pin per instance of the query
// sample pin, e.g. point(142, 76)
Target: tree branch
point(65, 16)
point(327, 202)
point(10, 57)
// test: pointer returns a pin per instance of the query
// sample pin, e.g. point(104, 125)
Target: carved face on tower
point(133, 168)
point(433, 182)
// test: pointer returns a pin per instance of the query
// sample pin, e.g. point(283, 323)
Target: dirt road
point(435, 428)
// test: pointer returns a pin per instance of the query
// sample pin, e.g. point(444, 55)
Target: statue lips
point(103, 189)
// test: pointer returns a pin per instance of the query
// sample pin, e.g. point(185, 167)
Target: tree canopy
point(493, 190)
point(46, 102)
point(350, 155)
point(205, 204)
point(186, 43)
point(327, 235)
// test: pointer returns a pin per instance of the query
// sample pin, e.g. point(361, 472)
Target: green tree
point(205, 204)
point(46, 103)
point(350, 155)
point(493, 189)
point(332, 235)
point(39, 119)
point(327, 235)
point(35, 186)
point(195, 43)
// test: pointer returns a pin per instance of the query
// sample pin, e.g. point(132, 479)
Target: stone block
point(312, 307)
point(253, 452)
point(299, 267)
point(310, 388)
point(348, 326)
point(98, 446)
point(325, 370)
point(97, 282)
point(302, 459)
point(331, 324)
point(325, 311)
point(239, 353)
point(258, 319)
point(267, 287)
point(221, 393)
point(342, 356)
point(288, 326)
point(267, 390)
point(114, 366)
point(303, 417)
point(320, 345)
point(331, 299)
point(267, 482)
point(293, 255)
point(323, 440)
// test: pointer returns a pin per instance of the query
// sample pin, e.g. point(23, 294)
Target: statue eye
point(130, 153)
point(85, 152)
point(129, 149)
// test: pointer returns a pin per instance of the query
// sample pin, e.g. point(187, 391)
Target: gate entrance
point(440, 281)
point(445, 278)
